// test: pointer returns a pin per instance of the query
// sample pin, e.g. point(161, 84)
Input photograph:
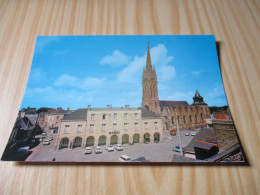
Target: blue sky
point(75, 71)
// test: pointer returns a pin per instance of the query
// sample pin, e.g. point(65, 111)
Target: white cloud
point(44, 41)
point(116, 59)
point(196, 73)
point(166, 73)
point(132, 73)
point(216, 92)
point(84, 83)
point(181, 96)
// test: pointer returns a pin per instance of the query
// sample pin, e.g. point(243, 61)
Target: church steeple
point(150, 98)
point(148, 59)
point(197, 99)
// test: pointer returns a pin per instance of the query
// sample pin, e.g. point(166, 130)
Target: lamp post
point(179, 137)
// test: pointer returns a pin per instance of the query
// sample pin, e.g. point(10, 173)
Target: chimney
point(108, 106)
point(89, 107)
point(126, 106)
point(68, 109)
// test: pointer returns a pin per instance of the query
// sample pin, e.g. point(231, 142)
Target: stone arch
point(114, 139)
point(102, 140)
point(147, 107)
point(156, 137)
point(77, 142)
point(64, 143)
point(90, 141)
point(125, 139)
point(136, 138)
point(147, 137)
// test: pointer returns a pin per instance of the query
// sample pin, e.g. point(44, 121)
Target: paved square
point(154, 152)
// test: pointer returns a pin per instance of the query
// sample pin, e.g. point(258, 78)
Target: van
point(124, 158)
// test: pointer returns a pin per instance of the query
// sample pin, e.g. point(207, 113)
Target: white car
point(110, 148)
point(88, 150)
point(46, 142)
point(187, 134)
point(98, 150)
point(119, 147)
point(124, 158)
point(192, 134)
point(50, 138)
point(44, 134)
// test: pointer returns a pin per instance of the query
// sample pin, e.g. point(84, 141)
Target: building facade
point(109, 126)
point(188, 116)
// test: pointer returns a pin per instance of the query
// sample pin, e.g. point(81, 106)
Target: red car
point(173, 132)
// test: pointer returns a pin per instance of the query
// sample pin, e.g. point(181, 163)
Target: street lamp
point(179, 137)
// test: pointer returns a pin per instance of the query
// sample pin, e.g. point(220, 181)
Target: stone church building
point(188, 116)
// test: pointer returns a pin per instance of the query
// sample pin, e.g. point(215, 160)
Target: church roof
point(166, 103)
point(147, 114)
point(80, 114)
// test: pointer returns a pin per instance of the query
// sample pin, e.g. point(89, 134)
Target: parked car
point(50, 138)
point(177, 148)
point(98, 150)
point(44, 134)
point(110, 148)
point(124, 158)
point(119, 147)
point(173, 132)
point(187, 134)
point(192, 134)
point(190, 128)
point(88, 150)
point(23, 150)
point(46, 142)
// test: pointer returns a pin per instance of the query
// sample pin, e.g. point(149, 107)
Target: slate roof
point(165, 103)
point(225, 152)
point(59, 112)
point(26, 124)
point(80, 114)
point(113, 109)
point(205, 134)
point(147, 114)
point(179, 158)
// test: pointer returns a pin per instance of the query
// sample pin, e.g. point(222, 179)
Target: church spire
point(148, 60)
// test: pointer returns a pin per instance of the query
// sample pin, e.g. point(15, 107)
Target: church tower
point(150, 98)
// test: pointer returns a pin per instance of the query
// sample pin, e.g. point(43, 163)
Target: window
point(146, 125)
point(114, 126)
point(66, 130)
point(136, 126)
point(91, 128)
point(92, 117)
point(125, 126)
point(79, 128)
point(172, 120)
point(104, 116)
point(184, 119)
point(58, 117)
point(103, 127)
point(190, 119)
point(115, 115)
point(125, 116)
point(136, 115)
point(155, 125)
